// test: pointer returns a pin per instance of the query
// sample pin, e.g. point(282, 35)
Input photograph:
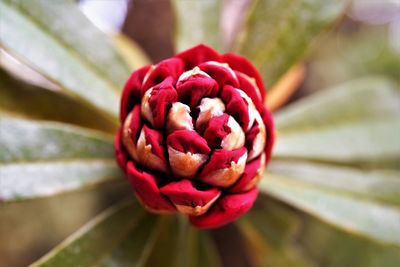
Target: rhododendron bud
point(195, 136)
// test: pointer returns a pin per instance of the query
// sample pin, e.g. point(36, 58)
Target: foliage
point(330, 196)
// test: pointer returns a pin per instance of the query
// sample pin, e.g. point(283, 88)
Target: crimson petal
point(188, 199)
point(224, 167)
point(197, 55)
point(250, 176)
point(146, 189)
point(242, 64)
point(120, 153)
point(236, 106)
point(251, 90)
point(220, 72)
point(217, 128)
point(162, 97)
point(172, 67)
point(131, 93)
point(269, 124)
point(188, 141)
point(194, 88)
point(226, 209)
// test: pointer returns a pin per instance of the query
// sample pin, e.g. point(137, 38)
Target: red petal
point(242, 64)
point(250, 173)
point(135, 124)
point(169, 67)
point(198, 54)
point(269, 124)
point(155, 139)
point(228, 208)
point(224, 167)
point(188, 198)
point(162, 97)
point(120, 154)
point(216, 129)
point(222, 159)
point(251, 90)
point(188, 141)
point(193, 89)
point(236, 106)
point(220, 73)
point(145, 186)
point(131, 93)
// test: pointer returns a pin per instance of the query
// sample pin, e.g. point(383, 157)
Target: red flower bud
point(195, 136)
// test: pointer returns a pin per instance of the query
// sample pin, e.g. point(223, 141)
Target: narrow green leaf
point(64, 21)
point(178, 245)
point(53, 57)
point(37, 103)
point(376, 185)
point(269, 230)
point(96, 239)
point(29, 141)
point(279, 33)
point(197, 22)
point(355, 123)
point(365, 98)
point(43, 158)
point(42, 223)
point(28, 180)
point(133, 248)
point(307, 241)
point(367, 143)
point(354, 215)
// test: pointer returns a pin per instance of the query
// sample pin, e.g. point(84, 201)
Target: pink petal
point(131, 131)
point(131, 93)
point(242, 64)
point(198, 54)
point(188, 199)
point(226, 209)
point(146, 189)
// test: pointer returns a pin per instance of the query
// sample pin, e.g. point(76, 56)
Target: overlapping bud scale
point(195, 136)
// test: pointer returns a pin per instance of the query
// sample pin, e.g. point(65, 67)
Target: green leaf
point(269, 230)
point(37, 103)
point(292, 238)
point(197, 22)
point(41, 223)
point(375, 185)
point(352, 54)
point(278, 34)
point(50, 29)
point(96, 239)
point(125, 236)
point(43, 158)
point(64, 21)
point(181, 245)
point(355, 215)
point(356, 123)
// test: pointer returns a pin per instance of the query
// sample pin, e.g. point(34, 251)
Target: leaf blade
point(197, 22)
point(278, 34)
point(90, 243)
point(45, 54)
